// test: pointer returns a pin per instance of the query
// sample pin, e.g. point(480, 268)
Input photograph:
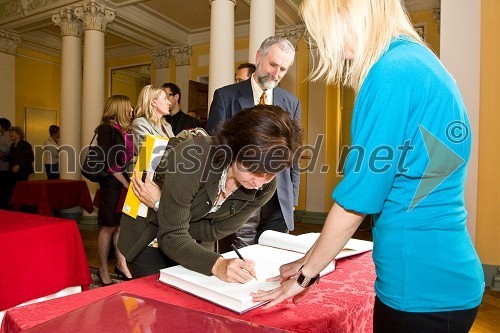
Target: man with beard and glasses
point(273, 59)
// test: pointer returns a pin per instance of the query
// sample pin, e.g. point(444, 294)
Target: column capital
point(9, 41)
point(94, 16)
point(68, 22)
point(292, 34)
point(161, 58)
point(182, 55)
point(210, 1)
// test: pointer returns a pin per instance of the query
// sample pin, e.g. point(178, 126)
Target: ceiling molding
point(42, 42)
point(151, 24)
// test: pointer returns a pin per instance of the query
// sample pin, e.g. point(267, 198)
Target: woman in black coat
point(20, 158)
point(113, 136)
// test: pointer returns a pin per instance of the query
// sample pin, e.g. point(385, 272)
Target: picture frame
point(420, 29)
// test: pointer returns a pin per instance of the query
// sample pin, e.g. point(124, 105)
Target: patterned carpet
point(96, 282)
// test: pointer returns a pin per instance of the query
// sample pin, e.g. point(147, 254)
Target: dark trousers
point(4, 189)
point(149, 262)
point(268, 217)
point(389, 320)
point(52, 171)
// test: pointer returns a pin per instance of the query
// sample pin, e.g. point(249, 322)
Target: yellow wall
point(302, 63)
point(123, 62)
point(488, 199)
point(426, 18)
point(38, 83)
point(196, 69)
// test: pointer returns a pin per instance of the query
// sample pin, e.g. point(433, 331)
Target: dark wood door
point(198, 99)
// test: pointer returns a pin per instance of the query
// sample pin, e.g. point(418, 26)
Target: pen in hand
point(241, 257)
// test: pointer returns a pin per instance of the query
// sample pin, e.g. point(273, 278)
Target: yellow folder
point(150, 154)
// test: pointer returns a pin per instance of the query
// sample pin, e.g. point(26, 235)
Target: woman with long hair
point(152, 106)
point(411, 123)
point(113, 136)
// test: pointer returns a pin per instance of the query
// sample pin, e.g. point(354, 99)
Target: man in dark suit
point(273, 59)
point(177, 118)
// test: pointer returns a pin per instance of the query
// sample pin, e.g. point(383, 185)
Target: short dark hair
point(173, 88)
point(5, 123)
point(251, 67)
point(53, 129)
point(263, 138)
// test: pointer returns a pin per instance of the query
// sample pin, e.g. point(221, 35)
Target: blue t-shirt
point(411, 142)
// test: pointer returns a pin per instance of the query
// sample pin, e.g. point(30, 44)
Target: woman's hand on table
point(234, 270)
point(288, 271)
point(288, 289)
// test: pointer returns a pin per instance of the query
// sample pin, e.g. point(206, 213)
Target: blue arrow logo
point(442, 163)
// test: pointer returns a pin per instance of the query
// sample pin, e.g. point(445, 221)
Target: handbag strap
point(95, 134)
point(93, 138)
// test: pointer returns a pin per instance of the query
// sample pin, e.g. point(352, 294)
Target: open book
point(274, 249)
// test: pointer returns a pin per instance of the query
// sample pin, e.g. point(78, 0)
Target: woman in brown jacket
point(212, 186)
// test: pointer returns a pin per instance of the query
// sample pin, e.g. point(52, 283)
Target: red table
point(39, 256)
point(48, 195)
point(342, 302)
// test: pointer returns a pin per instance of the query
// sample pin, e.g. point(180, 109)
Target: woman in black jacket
point(20, 157)
point(113, 136)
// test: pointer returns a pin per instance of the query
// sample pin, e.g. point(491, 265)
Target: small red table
point(341, 302)
point(39, 256)
point(48, 195)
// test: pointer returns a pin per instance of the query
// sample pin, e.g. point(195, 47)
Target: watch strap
point(305, 281)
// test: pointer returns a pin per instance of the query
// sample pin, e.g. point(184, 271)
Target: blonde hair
point(145, 107)
point(117, 111)
point(368, 25)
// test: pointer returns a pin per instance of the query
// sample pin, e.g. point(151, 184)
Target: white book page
point(300, 243)
point(159, 146)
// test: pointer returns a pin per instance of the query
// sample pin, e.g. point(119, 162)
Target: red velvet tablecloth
point(342, 302)
point(48, 195)
point(39, 256)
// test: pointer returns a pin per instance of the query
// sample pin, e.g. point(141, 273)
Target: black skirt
point(111, 190)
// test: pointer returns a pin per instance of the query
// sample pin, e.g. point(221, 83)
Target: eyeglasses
point(171, 94)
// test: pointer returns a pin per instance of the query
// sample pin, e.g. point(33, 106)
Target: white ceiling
point(142, 26)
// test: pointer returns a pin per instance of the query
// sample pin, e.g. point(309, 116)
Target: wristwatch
point(157, 206)
point(305, 281)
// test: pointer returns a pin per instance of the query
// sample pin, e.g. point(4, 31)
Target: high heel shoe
point(121, 275)
point(100, 278)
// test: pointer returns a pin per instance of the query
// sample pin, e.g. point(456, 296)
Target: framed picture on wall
point(420, 29)
point(36, 131)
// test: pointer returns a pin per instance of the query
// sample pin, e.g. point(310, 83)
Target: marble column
point(262, 24)
point(221, 58)
point(182, 56)
point(95, 17)
point(71, 92)
point(9, 41)
point(160, 61)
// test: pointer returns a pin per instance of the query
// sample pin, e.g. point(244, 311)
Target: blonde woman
point(152, 106)
point(113, 136)
point(411, 123)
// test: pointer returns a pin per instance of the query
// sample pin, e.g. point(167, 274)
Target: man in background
point(273, 59)
point(244, 72)
point(178, 119)
point(51, 153)
point(5, 143)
